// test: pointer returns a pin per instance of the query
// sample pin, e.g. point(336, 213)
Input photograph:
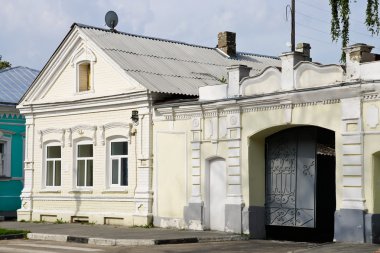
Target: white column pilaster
point(234, 191)
point(352, 155)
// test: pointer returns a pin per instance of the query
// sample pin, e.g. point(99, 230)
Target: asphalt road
point(252, 246)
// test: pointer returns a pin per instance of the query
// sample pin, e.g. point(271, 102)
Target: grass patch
point(59, 221)
point(143, 226)
point(4, 231)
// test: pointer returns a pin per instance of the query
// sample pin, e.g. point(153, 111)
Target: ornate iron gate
point(291, 178)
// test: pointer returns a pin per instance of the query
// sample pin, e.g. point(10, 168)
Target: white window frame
point(52, 144)
point(91, 81)
point(7, 156)
point(118, 157)
point(83, 159)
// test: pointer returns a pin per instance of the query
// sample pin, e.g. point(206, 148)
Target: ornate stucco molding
point(58, 131)
point(80, 129)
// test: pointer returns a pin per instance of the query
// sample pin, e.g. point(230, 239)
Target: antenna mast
point(293, 35)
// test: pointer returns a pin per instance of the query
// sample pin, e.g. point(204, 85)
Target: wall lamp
point(135, 117)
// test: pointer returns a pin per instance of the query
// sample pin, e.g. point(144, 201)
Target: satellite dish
point(111, 19)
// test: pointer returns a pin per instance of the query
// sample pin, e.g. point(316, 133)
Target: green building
point(13, 84)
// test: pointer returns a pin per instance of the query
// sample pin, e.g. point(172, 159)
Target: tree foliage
point(340, 20)
point(4, 64)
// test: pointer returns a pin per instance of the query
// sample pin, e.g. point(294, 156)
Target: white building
point(89, 121)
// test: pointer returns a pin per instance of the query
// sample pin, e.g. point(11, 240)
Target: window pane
point(115, 171)
point(119, 148)
point(2, 148)
point(80, 173)
point(54, 152)
point(89, 173)
point(57, 173)
point(84, 76)
point(49, 173)
point(124, 171)
point(85, 150)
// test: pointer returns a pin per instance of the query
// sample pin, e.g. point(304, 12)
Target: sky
point(30, 31)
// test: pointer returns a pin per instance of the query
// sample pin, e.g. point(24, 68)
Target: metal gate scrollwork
point(290, 179)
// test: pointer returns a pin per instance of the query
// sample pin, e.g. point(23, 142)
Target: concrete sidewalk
point(116, 235)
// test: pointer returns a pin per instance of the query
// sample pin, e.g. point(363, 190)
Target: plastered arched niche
point(308, 75)
point(268, 81)
point(215, 183)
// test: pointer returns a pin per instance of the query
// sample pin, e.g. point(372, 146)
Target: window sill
point(84, 92)
point(116, 190)
point(5, 178)
point(47, 190)
point(89, 191)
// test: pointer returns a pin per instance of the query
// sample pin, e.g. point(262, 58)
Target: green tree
point(340, 21)
point(4, 64)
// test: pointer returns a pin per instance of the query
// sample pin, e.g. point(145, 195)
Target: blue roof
point(14, 82)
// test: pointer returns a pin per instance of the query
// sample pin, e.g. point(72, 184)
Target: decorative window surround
point(80, 130)
point(59, 135)
point(125, 126)
point(84, 57)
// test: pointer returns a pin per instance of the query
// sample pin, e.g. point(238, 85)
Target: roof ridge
point(167, 40)
point(259, 55)
point(140, 36)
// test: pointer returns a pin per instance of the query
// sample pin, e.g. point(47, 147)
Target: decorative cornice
point(12, 116)
point(370, 97)
point(276, 105)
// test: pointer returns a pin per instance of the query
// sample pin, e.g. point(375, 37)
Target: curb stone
point(47, 237)
point(77, 239)
point(132, 242)
point(129, 242)
point(176, 241)
point(223, 238)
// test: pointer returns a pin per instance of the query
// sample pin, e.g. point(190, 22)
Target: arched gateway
point(300, 184)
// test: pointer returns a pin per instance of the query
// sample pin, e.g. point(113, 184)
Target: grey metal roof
point(170, 66)
point(14, 82)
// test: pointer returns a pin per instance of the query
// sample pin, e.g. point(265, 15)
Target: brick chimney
point(304, 48)
point(227, 43)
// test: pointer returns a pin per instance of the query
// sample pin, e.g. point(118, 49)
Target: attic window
point(84, 77)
